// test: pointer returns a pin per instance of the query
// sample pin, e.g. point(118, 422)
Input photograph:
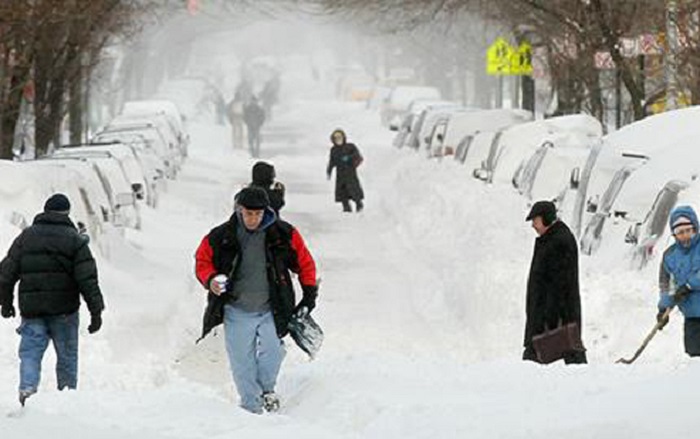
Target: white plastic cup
point(221, 281)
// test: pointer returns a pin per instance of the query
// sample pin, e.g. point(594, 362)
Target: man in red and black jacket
point(246, 265)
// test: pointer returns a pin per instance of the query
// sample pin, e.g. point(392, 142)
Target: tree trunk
point(75, 109)
point(610, 39)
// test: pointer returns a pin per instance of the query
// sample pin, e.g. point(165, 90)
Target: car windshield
point(660, 211)
point(613, 189)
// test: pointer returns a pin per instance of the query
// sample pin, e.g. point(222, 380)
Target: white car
point(631, 146)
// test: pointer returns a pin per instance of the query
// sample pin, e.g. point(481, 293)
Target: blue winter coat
point(681, 265)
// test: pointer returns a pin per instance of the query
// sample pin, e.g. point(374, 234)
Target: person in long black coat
point(345, 158)
point(553, 296)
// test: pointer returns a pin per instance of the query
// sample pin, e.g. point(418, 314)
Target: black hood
point(263, 174)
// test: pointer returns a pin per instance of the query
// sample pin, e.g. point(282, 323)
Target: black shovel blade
point(306, 334)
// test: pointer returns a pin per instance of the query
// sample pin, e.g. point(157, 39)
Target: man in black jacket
point(54, 267)
point(552, 289)
point(246, 265)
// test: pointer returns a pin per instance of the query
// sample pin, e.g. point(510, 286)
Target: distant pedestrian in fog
point(254, 117)
point(345, 158)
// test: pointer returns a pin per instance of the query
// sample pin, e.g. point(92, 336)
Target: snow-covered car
point(128, 160)
point(89, 204)
point(116, 184)
point(468, 122)
point(401, 97)
point(650, 237)
point(519, 142)
point(631, 193)
point(630, 147)
point(154, 140)
point(153, 166)
point(175, 140)
point(549, 173)
point(423, 123)
point(163, 107)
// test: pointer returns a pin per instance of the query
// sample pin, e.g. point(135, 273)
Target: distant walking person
point(680, 274)
point(254, 117)
point(54, 267)
point(234, 112)
point(264, 177)
point(345, 158)
point(553, 297)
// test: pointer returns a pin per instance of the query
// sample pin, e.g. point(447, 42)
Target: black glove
point(8, 311)
point(662, 319)
point(308, 300)
point(95, 323)
point(681, 293)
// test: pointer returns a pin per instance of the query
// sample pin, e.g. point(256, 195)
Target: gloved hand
point(8, 311)
point(681, 293)
point(95, 323)
point(308, 300)
point(278, 186)
point(662, 319)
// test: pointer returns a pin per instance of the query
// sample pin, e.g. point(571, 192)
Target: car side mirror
point(632, 235)
point(138, 190)
point(575, 178)
point(393, 127)
point(591, 206)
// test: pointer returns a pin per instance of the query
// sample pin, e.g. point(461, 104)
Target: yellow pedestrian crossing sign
point(498, 57)
point(504, 59)
point(521, 61)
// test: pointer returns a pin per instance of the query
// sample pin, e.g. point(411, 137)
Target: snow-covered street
point(422, 303)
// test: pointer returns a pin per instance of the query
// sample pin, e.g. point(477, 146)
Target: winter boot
point(359, 206)
point(271, 403)
point(24, 394)
point(346, 206)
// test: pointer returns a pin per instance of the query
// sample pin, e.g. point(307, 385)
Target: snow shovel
point(305, 332)
point(646, 341)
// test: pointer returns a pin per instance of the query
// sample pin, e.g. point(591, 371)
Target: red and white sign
point(603, 61)
point(649, 45)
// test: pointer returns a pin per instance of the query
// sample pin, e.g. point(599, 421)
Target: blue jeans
point(36, 333)
point(255, 354)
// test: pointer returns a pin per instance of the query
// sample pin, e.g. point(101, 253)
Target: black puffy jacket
point(54, 267)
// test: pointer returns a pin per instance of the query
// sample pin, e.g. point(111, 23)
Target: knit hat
point(253, 198)
point(57, 203)
point(681, 221)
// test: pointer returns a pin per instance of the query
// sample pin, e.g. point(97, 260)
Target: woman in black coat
point(345, 158)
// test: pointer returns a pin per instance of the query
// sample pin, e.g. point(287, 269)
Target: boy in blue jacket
point(680, 267)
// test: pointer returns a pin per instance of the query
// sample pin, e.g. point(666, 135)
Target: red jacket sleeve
point(305, 262)
point(204, 263)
